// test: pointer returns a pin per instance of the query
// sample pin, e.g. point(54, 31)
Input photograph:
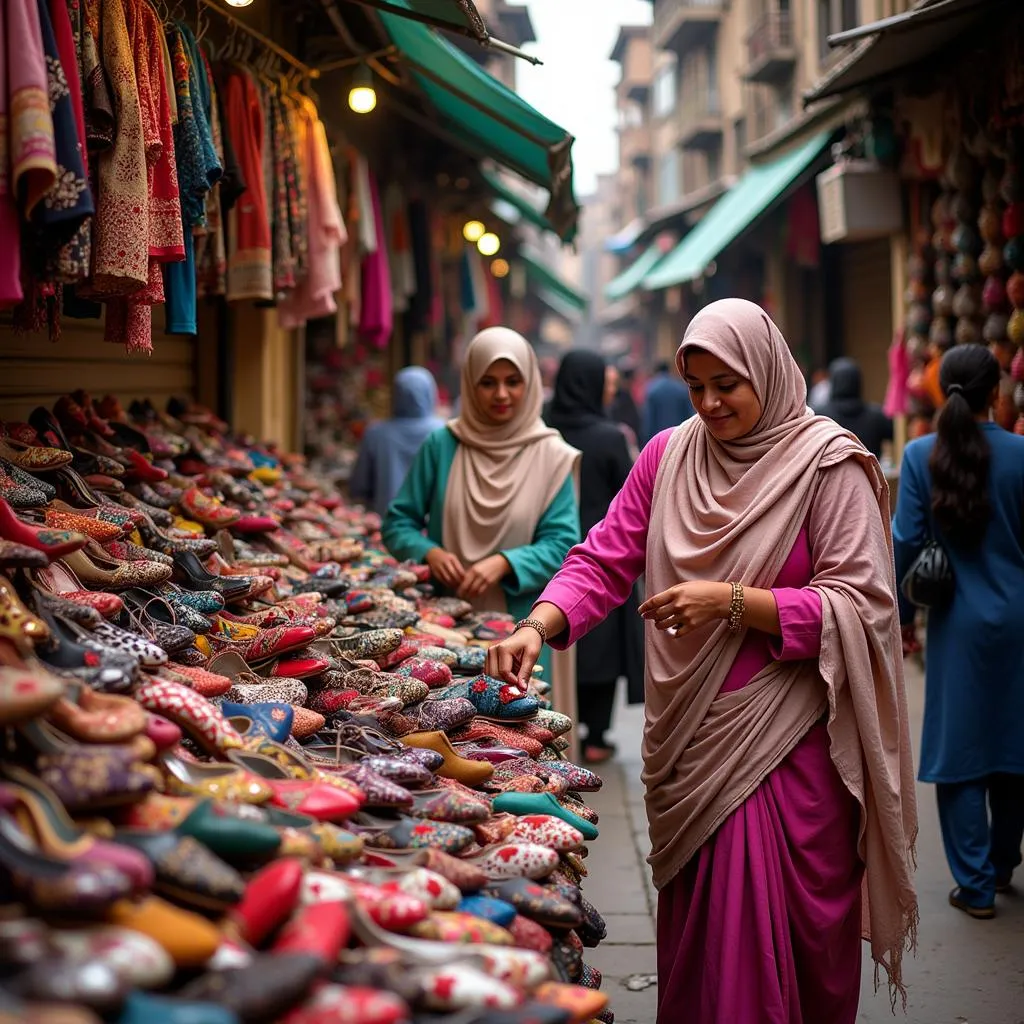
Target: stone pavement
point(965, 971)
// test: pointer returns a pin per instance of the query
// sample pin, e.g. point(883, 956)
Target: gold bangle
point(534, 624)
point(737, 606)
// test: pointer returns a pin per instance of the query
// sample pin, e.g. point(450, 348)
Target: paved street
point(965, 971)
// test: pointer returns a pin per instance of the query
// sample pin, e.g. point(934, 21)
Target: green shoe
point(543, 803)
point(233, 838)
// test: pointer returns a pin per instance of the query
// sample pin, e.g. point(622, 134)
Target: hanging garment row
point(137, 168)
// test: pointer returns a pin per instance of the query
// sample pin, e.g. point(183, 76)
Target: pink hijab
point(731, 511)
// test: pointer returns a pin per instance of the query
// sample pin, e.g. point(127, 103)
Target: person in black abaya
point(615, 647)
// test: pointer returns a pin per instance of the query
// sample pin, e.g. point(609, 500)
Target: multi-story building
point(731, 142)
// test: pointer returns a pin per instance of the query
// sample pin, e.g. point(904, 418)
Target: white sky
point(575, 84)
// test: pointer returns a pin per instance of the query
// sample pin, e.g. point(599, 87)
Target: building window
point(835, 16)
point(739, 136)
point(783, 104)
point(668, 177)
point(665, 90)
point(714, 165)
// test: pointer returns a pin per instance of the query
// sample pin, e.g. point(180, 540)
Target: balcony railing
point(771, 48)
point(680, 24)
point(700, 118)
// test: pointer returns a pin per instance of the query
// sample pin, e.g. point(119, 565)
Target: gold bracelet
point(737, 606)
point(534, 624)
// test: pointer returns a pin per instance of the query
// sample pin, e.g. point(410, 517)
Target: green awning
point(546, 279)
point(522, 206)
point(459, 16)
point(557, 304)
point(489, 117)
point(629, 280)
point(733, 214)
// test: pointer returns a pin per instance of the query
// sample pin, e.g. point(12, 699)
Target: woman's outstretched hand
point(512, 660)
point(445, 568)
point(688, 606)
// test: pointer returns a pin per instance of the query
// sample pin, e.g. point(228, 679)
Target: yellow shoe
point(190, 939)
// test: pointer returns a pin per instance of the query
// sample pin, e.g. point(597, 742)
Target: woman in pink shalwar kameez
point(776, 748)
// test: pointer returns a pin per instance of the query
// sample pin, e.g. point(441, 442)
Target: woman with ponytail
point(964, 487)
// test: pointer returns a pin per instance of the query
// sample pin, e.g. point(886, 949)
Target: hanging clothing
point(399, 244)
point(198, 170)
point(388, 447)
point(376, 314)
point(250, 271)
point(314, 295)
point(29, 170)
point(69, 204)
point(744, 735)
point(614, 648)
point(120, 259)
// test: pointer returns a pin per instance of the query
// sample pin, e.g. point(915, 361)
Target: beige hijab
point(503, 478)
point(732, 511)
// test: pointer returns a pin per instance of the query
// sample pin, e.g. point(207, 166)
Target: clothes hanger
point(202, 22)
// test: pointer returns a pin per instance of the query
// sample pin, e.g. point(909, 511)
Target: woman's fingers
point(666, 597)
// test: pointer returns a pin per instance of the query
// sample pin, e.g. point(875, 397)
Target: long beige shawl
point(732, 511)
point(504, 477)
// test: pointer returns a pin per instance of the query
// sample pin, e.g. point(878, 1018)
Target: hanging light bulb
point(472, 230)
point(488, 243)
point(500, 268)
point(362, 97)
point(239, 3)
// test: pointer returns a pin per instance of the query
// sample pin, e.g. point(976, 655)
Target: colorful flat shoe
point(435, 674)
point(319, 931)
point(265, 989)
point(272, 720)
point(487, 908)
point(527, 934)
point(373, 644)
point(443, 715)
point(464, 875)
point(516, 860)
point(433, 889)
point(189, 939)
point(192, 713)
point(492, 734)
point(186, 871)
point(349, 1004)
point(556, 723)
point(472, 773)
point(412, 834)
point(218, 827)
point(25, 694)
point(392, 911)
point(137, 960)
point(529, 804)
point(84, 778)
point(270, 898)
point(547, 830)
point(450, 806)
point(536, 902)
point(217, 781)
point(462, 987)
point(97, 717)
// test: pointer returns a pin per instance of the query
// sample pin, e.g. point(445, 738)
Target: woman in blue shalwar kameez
point(964, 485)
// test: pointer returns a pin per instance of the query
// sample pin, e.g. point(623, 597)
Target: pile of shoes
point(254, 770)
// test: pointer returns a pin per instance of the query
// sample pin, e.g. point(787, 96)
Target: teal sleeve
point(534, 564)
point(406, 518)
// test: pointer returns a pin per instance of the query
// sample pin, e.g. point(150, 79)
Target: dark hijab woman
point(615, 647)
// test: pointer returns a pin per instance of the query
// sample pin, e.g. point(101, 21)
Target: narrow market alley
point(965, 971)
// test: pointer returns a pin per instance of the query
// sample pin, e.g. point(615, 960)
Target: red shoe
point(321, 931)
point(142, 469)
point(313, 799)
point(270, 897)
point(54, 543)
point(346, 1004)
point(208, 511)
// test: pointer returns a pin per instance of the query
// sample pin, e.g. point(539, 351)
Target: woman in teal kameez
point(490, 501)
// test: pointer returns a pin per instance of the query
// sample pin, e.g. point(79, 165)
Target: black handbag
point(929, 582)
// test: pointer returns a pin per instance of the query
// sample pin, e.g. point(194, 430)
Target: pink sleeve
point(598, 574)
point(800, 619)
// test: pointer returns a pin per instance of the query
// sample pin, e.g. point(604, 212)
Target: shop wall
point(866, 302)
point(35, 371)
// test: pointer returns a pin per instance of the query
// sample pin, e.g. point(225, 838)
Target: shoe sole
point(978, 913)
